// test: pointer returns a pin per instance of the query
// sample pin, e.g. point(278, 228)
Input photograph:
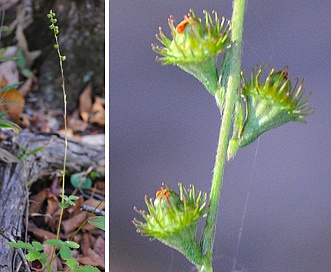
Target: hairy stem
point(230, 85)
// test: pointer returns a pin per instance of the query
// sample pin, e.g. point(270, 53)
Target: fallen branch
point(16, 177)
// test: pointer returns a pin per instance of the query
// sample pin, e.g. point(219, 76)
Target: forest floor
point(86, 123)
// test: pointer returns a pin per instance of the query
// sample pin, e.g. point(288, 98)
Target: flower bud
point(271, 104)
point(195, 46)
point(171, 212)
point(172, 219)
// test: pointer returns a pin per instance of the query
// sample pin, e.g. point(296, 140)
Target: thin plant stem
point(232, 84)
point(63, 171)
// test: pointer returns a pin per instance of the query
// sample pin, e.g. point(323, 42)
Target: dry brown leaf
point(55, 187)
point(92, 239)
point(99, 247)
point(11, 101)
point(52, 206)
point(38, 200)
point(74, 222)
point(92, 258)
point(85, 243)
point(98, 112)
point(40, 234)
point(89, 227)
point(85, 102)
point(55, 219)
point(69, 132)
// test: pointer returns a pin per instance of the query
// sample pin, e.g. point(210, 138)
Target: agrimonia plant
point(251, 106)
point(64, 248)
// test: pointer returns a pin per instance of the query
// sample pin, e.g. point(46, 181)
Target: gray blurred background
point(164, 128)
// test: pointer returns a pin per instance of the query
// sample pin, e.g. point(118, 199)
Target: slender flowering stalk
point(62, 58)
point(252, 108)
point(231, 79)
point(53, 20)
